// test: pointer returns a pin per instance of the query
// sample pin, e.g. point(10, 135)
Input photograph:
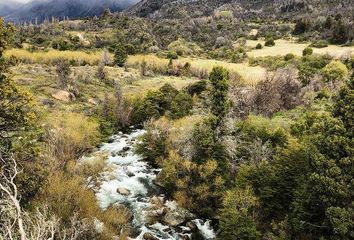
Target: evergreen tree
point(340, 33)
point(220, 104)
point(237, 218)
point(323, 202)
point(120, 55)
point(344, 105)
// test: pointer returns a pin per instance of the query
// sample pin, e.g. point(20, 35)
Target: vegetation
point(249, 118)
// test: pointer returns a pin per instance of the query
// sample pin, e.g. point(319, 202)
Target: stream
point(130, 182)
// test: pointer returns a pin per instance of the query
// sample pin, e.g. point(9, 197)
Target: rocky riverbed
point(129, 182)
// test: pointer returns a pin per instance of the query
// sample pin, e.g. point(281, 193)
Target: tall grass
point(200, 68)
point(48, 57)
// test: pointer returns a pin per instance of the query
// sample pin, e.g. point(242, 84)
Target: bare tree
point(11, 218)
point(279, 90)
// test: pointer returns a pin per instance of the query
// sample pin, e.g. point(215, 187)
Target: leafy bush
point(319, 44)
point(196, 88)
point(195, 187)
point(307, 51)
point(181, 105)
point(238, 213)
point(172, 55)
point(70, 135)
point(153, 144)
point(334, 71)
point(289, 56)
point(269, 42)
point(156, 103)
point(259, 46)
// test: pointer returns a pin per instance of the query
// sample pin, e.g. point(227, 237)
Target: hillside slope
point(272, 9)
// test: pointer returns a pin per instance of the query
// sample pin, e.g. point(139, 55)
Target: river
point(130, 182)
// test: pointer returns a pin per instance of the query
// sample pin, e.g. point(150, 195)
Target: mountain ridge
point(40, 9)
point(172, 9)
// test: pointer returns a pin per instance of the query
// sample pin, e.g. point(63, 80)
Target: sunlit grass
point(47, 57)
point(250, 75)
point(283, 47)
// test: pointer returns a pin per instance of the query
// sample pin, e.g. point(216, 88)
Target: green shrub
point(179, 52)
point(237, 218)
point(269, 42)
point(172, 55)
point(334, 71)
point(153, 144)
point(259, 46)
point(196, 88)
point(319, 44)
point(70, 135)
point(181, 105)
point(289, 56)
point(307, 51)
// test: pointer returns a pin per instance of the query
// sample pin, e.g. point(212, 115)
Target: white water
point(131, 173)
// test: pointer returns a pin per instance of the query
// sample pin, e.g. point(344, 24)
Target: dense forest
point(179, 120)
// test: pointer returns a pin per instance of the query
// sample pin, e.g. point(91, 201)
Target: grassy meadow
point(48, 57)
point(283, 47)
point(249, 74)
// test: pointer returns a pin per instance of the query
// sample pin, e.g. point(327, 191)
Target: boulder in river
point(157, 202)
point(123, 191)
point(177, 216)
point(192, 226)
point(149, 236)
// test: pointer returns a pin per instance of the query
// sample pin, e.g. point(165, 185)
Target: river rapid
point(129, 181)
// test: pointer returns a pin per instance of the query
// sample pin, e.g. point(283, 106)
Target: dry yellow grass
point(250, 74)
point(141, 86)
point(48, 57)
point(283, 47)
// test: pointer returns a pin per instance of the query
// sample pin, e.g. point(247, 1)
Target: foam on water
point(205, 228)
point(129, 172)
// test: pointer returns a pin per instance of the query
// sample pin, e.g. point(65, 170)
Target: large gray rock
point(63, 96)
point(191, 225)
point(123, 191)
point(175, 217)
point(149, 236)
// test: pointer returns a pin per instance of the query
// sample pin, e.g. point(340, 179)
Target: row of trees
point(260, 177)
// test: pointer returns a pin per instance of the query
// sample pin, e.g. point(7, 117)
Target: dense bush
point(172, 55)
point(319, 44)
point(334, 71)
point(307, 51)
point(269, 42)
point(196, 88)
point(70, 135)
point(237, 218)
point(289, 56)
point(153, 144)
point(166, 100)
point(181, 105)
